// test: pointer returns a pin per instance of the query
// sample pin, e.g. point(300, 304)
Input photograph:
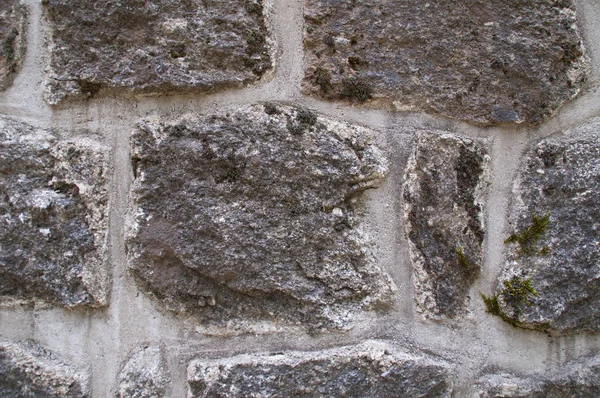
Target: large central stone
point(252, 217)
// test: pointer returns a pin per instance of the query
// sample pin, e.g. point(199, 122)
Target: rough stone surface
point(480, 61)
point(252, 216)
point(445, 180)
point(160, 46)
point(580, 379)
point(29, 371)
point(13, 24)
point(560, 176)
point(52, 218)
point(145, 374)
point(368, 370)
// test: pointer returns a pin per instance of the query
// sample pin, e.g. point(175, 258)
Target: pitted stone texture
point(161, 46)
point(561, 176)
point(29, 371)
point(578, 379)
point(371, 369)
point(481, 61)
point(445, 180)
point(145, 374)
point(13, 31)
point(250, 217)
point(52, 218)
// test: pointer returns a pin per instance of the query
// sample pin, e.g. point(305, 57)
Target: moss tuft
point(356, 90)
point(529, 237)
point(516, 294)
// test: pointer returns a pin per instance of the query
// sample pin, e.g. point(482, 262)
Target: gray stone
point(371, 369)
point(445, 180)
point(579, 379)
point(13, 25)
point(52, 218)
point(160, 46)
point(144, 375)
point(252, 216)
point(559, 178)
point(29, 371)
point(479, 61)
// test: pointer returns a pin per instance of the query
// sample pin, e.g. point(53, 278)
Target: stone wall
point(251, 198)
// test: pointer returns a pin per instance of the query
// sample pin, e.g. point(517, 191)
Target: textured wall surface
point(303, 198)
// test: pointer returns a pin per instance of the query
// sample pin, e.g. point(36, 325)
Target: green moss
point(516, 294)
point(462, 259)
point(356, 90)
point(529, 237)
point(8, 46)
point(303, 121)
point(322, 78)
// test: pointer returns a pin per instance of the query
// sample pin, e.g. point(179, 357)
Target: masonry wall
point(299, 198)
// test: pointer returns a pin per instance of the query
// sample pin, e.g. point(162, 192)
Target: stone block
point(480, 61)
point(144, 375)
point(157, 47)
point(445, 182)
point(29, 371)
point(13, 32)
point(53, 218)
point(371, 369)
point(253, 217)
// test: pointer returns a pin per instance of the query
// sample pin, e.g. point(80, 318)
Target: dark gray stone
point(252, 216)
point(13, 32)
point(29, 371)
point(161, 46)
point(445, 180)
point(559, 177)
point(479, 61)
point(368, 370)
point(52, 218)
point(579, 379)
point(144, 375)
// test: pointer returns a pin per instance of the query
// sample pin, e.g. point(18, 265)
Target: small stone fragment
point(29, 371)
point(145, 374)
point(371, 369)
point(480, 61)
point(249, 217)
point(52, 218)
point(13, 32)
point(443, 207)
point(154, 47)
point(555, 241)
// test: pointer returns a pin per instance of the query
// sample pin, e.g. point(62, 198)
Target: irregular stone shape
point(52, 218)
point(251, 215)
point(13, 31)
point(144, 375)
point(445, 180)
point(560, 177)
point(371, 369)
point(479, 61)
point(29, 371)
point(161, 46)
point(579, 379)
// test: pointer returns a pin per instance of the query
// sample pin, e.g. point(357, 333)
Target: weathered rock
point(480, 61)
point(445, 180)
point(29, 371)
point(160, 46)
point(579, 379)
point(560, 179)
point(251, 216)
point(371, 369)
point(144, 375)
point(13, 25)
point(52, 218)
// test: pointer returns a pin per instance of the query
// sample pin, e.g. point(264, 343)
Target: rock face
point(443, 207)
point(52, 218)
point(480, 61)
point(578, 379)
point(145, 375)
point(252, 216)
point(29, 371)
point(13, 24)
point(154, 47)
point(559, 179)
point(367, 370)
